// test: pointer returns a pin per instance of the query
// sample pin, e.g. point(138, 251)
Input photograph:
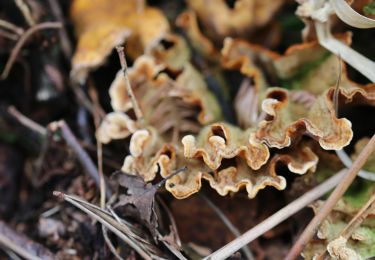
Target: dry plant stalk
point(124, 68)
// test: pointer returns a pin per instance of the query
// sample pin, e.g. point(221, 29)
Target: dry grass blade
point(365, 66)
point(277, 218)
point(350, 16)
point(146, 250)
point(344, 184)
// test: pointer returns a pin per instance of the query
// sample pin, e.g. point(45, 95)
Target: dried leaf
point(223, 141)
point(101, 25)
point(286, 119)
point(141, 195)
point(169, 99)
point(225, 176)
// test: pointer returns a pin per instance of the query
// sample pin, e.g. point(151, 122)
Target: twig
point(8, 35)
point(81, 97)
point(277, 217)
point(228, 223)
point(309, 231)
point(124, 68)
point(27, 121)
point(81, 154)
point(11, 27)
point(359, 218)
point(355, 222)
point(109, 243)
point(22, 245)
point(163, 181)
point(25, 10)
point(21, 42)
point(66, 45)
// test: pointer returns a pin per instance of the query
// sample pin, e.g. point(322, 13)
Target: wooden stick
point(81, 154)
point(311, 228)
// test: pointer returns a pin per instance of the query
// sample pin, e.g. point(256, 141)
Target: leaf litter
point(230, 100)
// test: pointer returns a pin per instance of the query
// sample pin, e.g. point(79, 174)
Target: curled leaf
point(286, 119)
point(116, 125)
point(223, 141)
point(169, 99)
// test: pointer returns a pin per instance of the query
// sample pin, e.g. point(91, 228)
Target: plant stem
point(124, 68)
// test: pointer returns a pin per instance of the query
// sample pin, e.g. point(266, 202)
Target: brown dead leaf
point(141, 195)
point(101, 25)
point(172, 101)
point(223, 141)
point(286, 119)
point(226, 165)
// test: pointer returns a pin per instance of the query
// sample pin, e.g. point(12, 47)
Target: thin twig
point(81, 97)
point(25, 10)
point(124, 68)
point(8, 35)
point(21, 42)
point(81, 154)
point(311, 228)
point(11, 27)
point(27, 121)
point(174, 173)
point(66, 45)
point(277, 217)
point(227, 223)
point(359, 218)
